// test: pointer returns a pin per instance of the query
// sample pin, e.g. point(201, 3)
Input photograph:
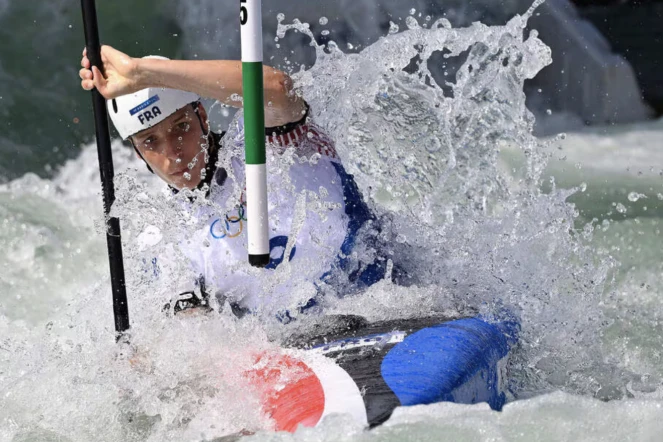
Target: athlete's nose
point(173, 150)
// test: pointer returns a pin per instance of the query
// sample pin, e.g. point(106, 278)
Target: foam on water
point(554, 417)
point(473, 234)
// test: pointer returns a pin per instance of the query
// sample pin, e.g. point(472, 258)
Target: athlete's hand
point(120, 73)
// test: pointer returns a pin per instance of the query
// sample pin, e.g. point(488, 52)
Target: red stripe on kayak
point(292, 394)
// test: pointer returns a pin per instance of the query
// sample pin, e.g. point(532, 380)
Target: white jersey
point(314, 208)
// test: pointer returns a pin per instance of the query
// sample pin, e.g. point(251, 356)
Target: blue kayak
point(348, 365)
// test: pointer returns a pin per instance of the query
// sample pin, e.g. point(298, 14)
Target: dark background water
point(45, 114)
point(46, 117)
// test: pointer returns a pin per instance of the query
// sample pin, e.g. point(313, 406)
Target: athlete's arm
point(218, 79)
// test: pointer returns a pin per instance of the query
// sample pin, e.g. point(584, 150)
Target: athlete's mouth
point(180, 171)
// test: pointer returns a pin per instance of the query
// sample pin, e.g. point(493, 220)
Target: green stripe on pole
point(254, 132)
point(254, 112)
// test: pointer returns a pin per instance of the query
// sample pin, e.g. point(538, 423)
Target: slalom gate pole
point(113, 239)
point(254, 129)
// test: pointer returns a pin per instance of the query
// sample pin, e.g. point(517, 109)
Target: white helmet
point(135, 112)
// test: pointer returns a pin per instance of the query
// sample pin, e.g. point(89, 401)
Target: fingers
point(85, 62)
point(88, 85)
point(91, 76)
point(98, 77)
point(85, 74)
point(86, 79)
point(107, 53)
point(110, 55)
point(91, 79)
point(105, 49)
point(99, 81)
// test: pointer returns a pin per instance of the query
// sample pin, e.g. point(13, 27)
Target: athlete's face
point(176, 148)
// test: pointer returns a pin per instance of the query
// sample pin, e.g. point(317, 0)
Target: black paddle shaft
point(120, 306)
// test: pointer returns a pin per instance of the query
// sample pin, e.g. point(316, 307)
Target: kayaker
point(154, 103)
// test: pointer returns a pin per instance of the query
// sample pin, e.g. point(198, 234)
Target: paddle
point(113, 239)
point(254, 120)
point(254, 126)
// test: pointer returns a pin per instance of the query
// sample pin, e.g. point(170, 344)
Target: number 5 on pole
point(254, 132)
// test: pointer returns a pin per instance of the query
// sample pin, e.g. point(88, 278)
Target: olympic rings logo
point(233, 225)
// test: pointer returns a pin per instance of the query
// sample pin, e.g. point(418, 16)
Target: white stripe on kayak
point(342, 396)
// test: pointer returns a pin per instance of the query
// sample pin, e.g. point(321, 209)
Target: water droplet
point(187, 176)
point(413, 11)
point(620, 208)
point(325, 32)
point(548, 111)
point(445, 23)
point(323, 20)
point(411, 23)
point(280, 16)
point(635, 196)
point(393, 27)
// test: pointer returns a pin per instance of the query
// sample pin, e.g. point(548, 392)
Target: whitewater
point(564, 231)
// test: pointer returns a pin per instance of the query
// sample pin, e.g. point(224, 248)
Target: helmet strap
point(195, 105)
point(210, 140)
point(131, 140)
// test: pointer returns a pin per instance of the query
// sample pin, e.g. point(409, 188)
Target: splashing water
point(473, 235)
point(429, 160)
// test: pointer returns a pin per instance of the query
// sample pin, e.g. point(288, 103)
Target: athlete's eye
point(184, 126)
point(149, 142)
